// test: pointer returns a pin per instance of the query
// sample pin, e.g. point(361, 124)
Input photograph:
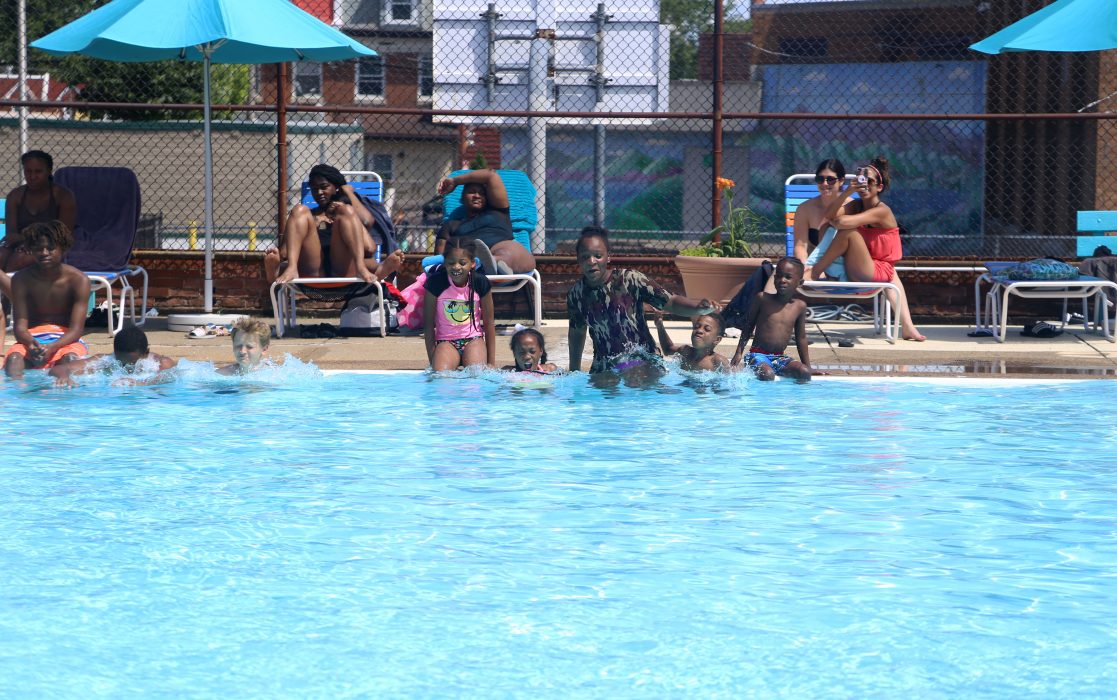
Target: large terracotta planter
point(715, 278)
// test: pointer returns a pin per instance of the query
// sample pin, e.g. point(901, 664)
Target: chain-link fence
point(610, 108)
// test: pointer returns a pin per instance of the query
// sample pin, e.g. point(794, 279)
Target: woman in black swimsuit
point(334, 239)
point(39, 201)
point(487, 220)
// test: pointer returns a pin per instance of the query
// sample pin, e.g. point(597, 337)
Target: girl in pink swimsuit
point(868, 238)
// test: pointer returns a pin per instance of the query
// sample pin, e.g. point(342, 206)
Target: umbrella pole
point(208, 184)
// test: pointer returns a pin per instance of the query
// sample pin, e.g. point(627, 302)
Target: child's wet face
point(788, 277)
point(704, 333)
point(458, 264)
point(129, 358)
point(528, 352)
point(248, 351)
point(593, 257)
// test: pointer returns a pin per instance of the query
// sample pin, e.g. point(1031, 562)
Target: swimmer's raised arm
point(668, 346)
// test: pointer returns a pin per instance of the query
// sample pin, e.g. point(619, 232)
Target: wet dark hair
point(717, 318)
point(794, 262)
point(469, 247)
point(56, 232)
point(592, 232)
point(38, 155)
point(130, 339)
point(834, 165)
point(520, 334)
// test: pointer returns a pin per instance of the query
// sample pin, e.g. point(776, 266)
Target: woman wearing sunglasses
point(810, 216)
point(868, 237)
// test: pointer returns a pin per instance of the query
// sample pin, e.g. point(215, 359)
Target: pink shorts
point(883, 271)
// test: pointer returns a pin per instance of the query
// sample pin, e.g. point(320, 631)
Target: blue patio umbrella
point(211, 31)
point(1065, 25)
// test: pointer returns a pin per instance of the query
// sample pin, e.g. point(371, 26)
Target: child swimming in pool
point(251, 338)
point(458, 311)
point(706, 332)
point(530, 352)
point(774, 317)
point(130, 354)
point(609, 305)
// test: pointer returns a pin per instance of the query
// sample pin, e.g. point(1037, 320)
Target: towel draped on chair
point(108, 205)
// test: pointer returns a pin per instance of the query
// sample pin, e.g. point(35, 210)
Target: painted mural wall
point(937, 166)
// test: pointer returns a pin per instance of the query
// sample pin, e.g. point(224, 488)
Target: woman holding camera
point(868, 238)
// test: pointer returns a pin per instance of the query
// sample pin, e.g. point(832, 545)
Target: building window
point(370, 76)
point(802, 49)
point(306, 78)
point(426, 75)
point(399, 11)
point(359, 12)
point(381, 164)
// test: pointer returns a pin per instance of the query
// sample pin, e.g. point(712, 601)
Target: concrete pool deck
point(948, 351)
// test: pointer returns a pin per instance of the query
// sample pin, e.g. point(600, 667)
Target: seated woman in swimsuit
point(39, 201)
point(868, 238)
point(810, 216)
point(487, 221)
point(334, 239)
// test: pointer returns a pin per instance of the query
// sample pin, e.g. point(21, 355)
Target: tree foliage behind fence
point(801, 81)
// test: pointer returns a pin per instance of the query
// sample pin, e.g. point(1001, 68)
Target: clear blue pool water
point(390, 535)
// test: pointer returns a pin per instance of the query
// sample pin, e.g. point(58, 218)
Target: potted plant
point(718, 266)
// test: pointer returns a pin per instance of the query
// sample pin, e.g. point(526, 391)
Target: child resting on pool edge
point(251, 338)
point(706, 332)
point(774, 317)
point(49, 302)
point(530, 352)
point(608, 304)
point(458, 326)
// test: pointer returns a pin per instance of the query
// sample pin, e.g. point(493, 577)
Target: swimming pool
point(386, 534)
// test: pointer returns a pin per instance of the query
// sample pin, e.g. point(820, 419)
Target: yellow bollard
point(252, 235)
point(192, 235)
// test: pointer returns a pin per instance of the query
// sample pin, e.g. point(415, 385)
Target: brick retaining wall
point(176, 285)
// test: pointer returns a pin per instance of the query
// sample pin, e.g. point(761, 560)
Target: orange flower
point(725, 183)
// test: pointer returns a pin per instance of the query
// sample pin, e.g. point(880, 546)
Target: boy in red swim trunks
point(774, 317)
point(49, 303)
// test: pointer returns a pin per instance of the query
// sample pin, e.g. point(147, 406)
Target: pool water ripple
point(357, 535)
